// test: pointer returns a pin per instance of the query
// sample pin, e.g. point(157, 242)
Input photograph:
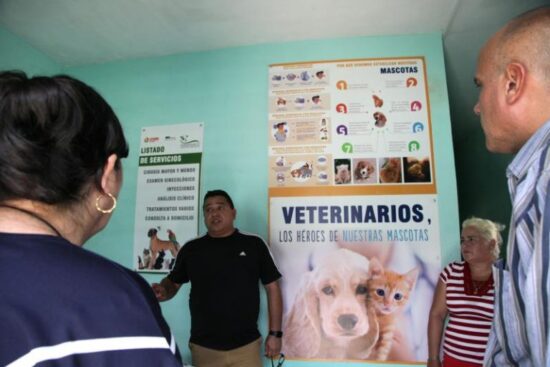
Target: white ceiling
point(75, 32)
point(78, 32)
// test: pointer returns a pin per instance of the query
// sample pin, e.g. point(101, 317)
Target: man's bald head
point(526, 39)
point(513, 76)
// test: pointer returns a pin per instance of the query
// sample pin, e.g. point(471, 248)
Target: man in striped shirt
point(513, 74)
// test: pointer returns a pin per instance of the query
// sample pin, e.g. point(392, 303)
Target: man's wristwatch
point(276, 333)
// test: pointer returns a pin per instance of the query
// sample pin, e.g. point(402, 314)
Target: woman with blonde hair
point(465, 294)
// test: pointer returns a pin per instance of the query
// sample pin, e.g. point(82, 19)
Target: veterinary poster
point(352, 124)
point(316, 241)
point(167, 196)
point(353, 211)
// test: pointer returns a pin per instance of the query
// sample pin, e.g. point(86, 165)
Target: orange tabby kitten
point(388, 292)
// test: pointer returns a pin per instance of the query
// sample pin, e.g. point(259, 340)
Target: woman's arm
point(438, 314)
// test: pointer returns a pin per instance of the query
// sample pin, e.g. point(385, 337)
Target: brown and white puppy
point(363, 170)
point(330, 317)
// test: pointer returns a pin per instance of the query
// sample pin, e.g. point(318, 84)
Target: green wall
point(227, 90)
point(16, 54)
point(481, 178)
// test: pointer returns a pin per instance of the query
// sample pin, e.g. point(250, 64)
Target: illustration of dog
point(379, 119)
point(303, 172)
point(157, 245)
point(378, 102)
point(330, 317)
point(391, 171)
point(363, 170)
point(281, 101)
point(343, 175)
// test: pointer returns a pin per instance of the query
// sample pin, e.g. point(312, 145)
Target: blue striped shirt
point(519, 336)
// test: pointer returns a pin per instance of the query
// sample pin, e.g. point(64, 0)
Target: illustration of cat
point(389, 293)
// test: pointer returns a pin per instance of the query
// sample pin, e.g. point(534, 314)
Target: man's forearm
point(170, 287)
point(275, 306)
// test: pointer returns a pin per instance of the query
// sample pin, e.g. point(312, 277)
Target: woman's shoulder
point(54, 257)
point(451, 269)
point(106, 271)
point(87, 296)
point(454, 267)
point(456, 264)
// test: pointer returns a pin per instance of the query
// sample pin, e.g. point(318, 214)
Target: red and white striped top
point(470, 317)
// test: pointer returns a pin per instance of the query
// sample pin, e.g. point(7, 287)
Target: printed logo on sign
point(418, 127)
point(347, 148)
point(342, 130)
point(151, 139)
point(187, 142)
point(412, 82)
point(170, 138)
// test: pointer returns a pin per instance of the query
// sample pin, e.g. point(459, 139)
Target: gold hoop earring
point(105, 211)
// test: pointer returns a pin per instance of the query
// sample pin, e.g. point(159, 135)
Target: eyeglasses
point(279, 362)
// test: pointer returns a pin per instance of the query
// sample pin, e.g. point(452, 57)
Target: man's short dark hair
point(213, 193)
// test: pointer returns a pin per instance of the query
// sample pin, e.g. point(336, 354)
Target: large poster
point(354, 216)
point(167, 197)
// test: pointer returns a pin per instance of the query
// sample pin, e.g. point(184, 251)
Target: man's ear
point(515, 76)
point(109, 176)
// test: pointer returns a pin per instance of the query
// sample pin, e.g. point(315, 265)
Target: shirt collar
point(521, 162)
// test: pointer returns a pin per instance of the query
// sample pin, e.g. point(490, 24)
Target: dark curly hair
point(56, 134)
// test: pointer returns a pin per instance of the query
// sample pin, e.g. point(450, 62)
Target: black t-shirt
point(225, 297)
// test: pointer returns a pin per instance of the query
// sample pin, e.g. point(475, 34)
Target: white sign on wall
point(167, 196)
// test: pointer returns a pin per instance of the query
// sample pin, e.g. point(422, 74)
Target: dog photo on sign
point(364, 170)
point(157, 250)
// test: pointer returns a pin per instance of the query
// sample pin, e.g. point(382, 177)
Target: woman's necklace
point(478, 285)
point(35, 216)
point(475, 287)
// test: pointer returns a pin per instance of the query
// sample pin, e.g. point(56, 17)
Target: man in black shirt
point(224, 267)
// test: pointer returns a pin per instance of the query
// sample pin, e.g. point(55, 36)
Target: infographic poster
point(354, 215)
point(167, 198)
